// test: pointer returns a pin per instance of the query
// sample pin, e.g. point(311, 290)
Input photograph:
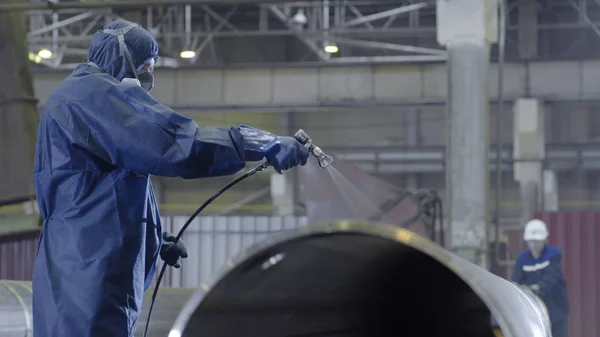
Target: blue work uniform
point(546, 272)
point(98, 142)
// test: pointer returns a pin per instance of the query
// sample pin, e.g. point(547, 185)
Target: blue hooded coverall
point(99, 139)
point(546, 272)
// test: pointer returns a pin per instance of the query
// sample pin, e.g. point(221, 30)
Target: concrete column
point(412, 137)
point(282, 186)
point(528, 30)
point(529, 153)
point(466, 28)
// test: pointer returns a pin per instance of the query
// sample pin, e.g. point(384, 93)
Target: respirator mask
point(145, 80)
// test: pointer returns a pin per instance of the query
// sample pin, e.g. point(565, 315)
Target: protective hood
point(104, 50)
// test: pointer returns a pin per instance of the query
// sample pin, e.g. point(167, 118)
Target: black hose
point(434, 221)
point(493, 258)
point(187, 224)
point(441, 215)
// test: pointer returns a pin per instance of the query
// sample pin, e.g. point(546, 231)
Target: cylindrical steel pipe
point(344, 279)
point(16, 316)
point(357, 279)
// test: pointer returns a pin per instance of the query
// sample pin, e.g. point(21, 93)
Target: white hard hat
point(535, 230)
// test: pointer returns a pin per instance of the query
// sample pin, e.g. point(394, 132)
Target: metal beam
point(90, 25)
point(354, 32)
point(62, 23)
point(360, 32)
point(309, 43)
point(209, 38)
point(388, 59)
point(385, 14)
point(390, 46)
point(583, 15)
point(229, 25)
point(359, 15)
point(116, 4)
point(432, 159)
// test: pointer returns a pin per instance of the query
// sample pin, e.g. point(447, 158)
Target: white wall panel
point(354, 128)
point(165, 86)
point(434, 81)
point(548, 80)
point(198, 87)
point(292, 86)
point(590, 82)
point(397, 82)
point(432, 127)
point(248, 86)
point(344, 84)
point(515, 81)
point(212, 240)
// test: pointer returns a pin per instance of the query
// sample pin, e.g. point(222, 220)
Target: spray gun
point(323, 159)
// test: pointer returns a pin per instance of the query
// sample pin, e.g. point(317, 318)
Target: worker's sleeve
point(551, 275)
point(147, 137)
point(517, 274)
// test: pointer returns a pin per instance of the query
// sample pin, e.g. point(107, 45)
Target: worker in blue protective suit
point(540, 269)
point(101, 135)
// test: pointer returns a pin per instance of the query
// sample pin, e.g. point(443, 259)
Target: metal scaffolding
point(300, 32)
point(233, 32)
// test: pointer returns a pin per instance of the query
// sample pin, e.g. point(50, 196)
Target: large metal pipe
point(345, 279)
point(16, 316)
point(357, 279)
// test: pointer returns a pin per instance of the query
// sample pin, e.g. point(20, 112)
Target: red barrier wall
point(17, 253)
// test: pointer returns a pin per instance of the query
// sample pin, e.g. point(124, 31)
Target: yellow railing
point(172, 208)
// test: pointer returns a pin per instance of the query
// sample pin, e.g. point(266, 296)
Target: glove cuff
point(257, 143)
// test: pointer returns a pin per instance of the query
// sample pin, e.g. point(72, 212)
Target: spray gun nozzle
point(323, 159)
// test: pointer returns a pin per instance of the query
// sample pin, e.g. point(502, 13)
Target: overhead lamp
point(187, 54)
point(300, 18)
point(45, 54)
point(331, 48)
point(35, 58)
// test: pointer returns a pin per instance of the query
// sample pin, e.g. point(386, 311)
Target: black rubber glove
point(170, 252)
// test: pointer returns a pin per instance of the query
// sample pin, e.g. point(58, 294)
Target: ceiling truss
point(66, 32)
point(364, 31)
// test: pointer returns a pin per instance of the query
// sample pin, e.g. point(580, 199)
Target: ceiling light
point(331, 48)
point(187, 54)
point(45, 54)
point(300, 18)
